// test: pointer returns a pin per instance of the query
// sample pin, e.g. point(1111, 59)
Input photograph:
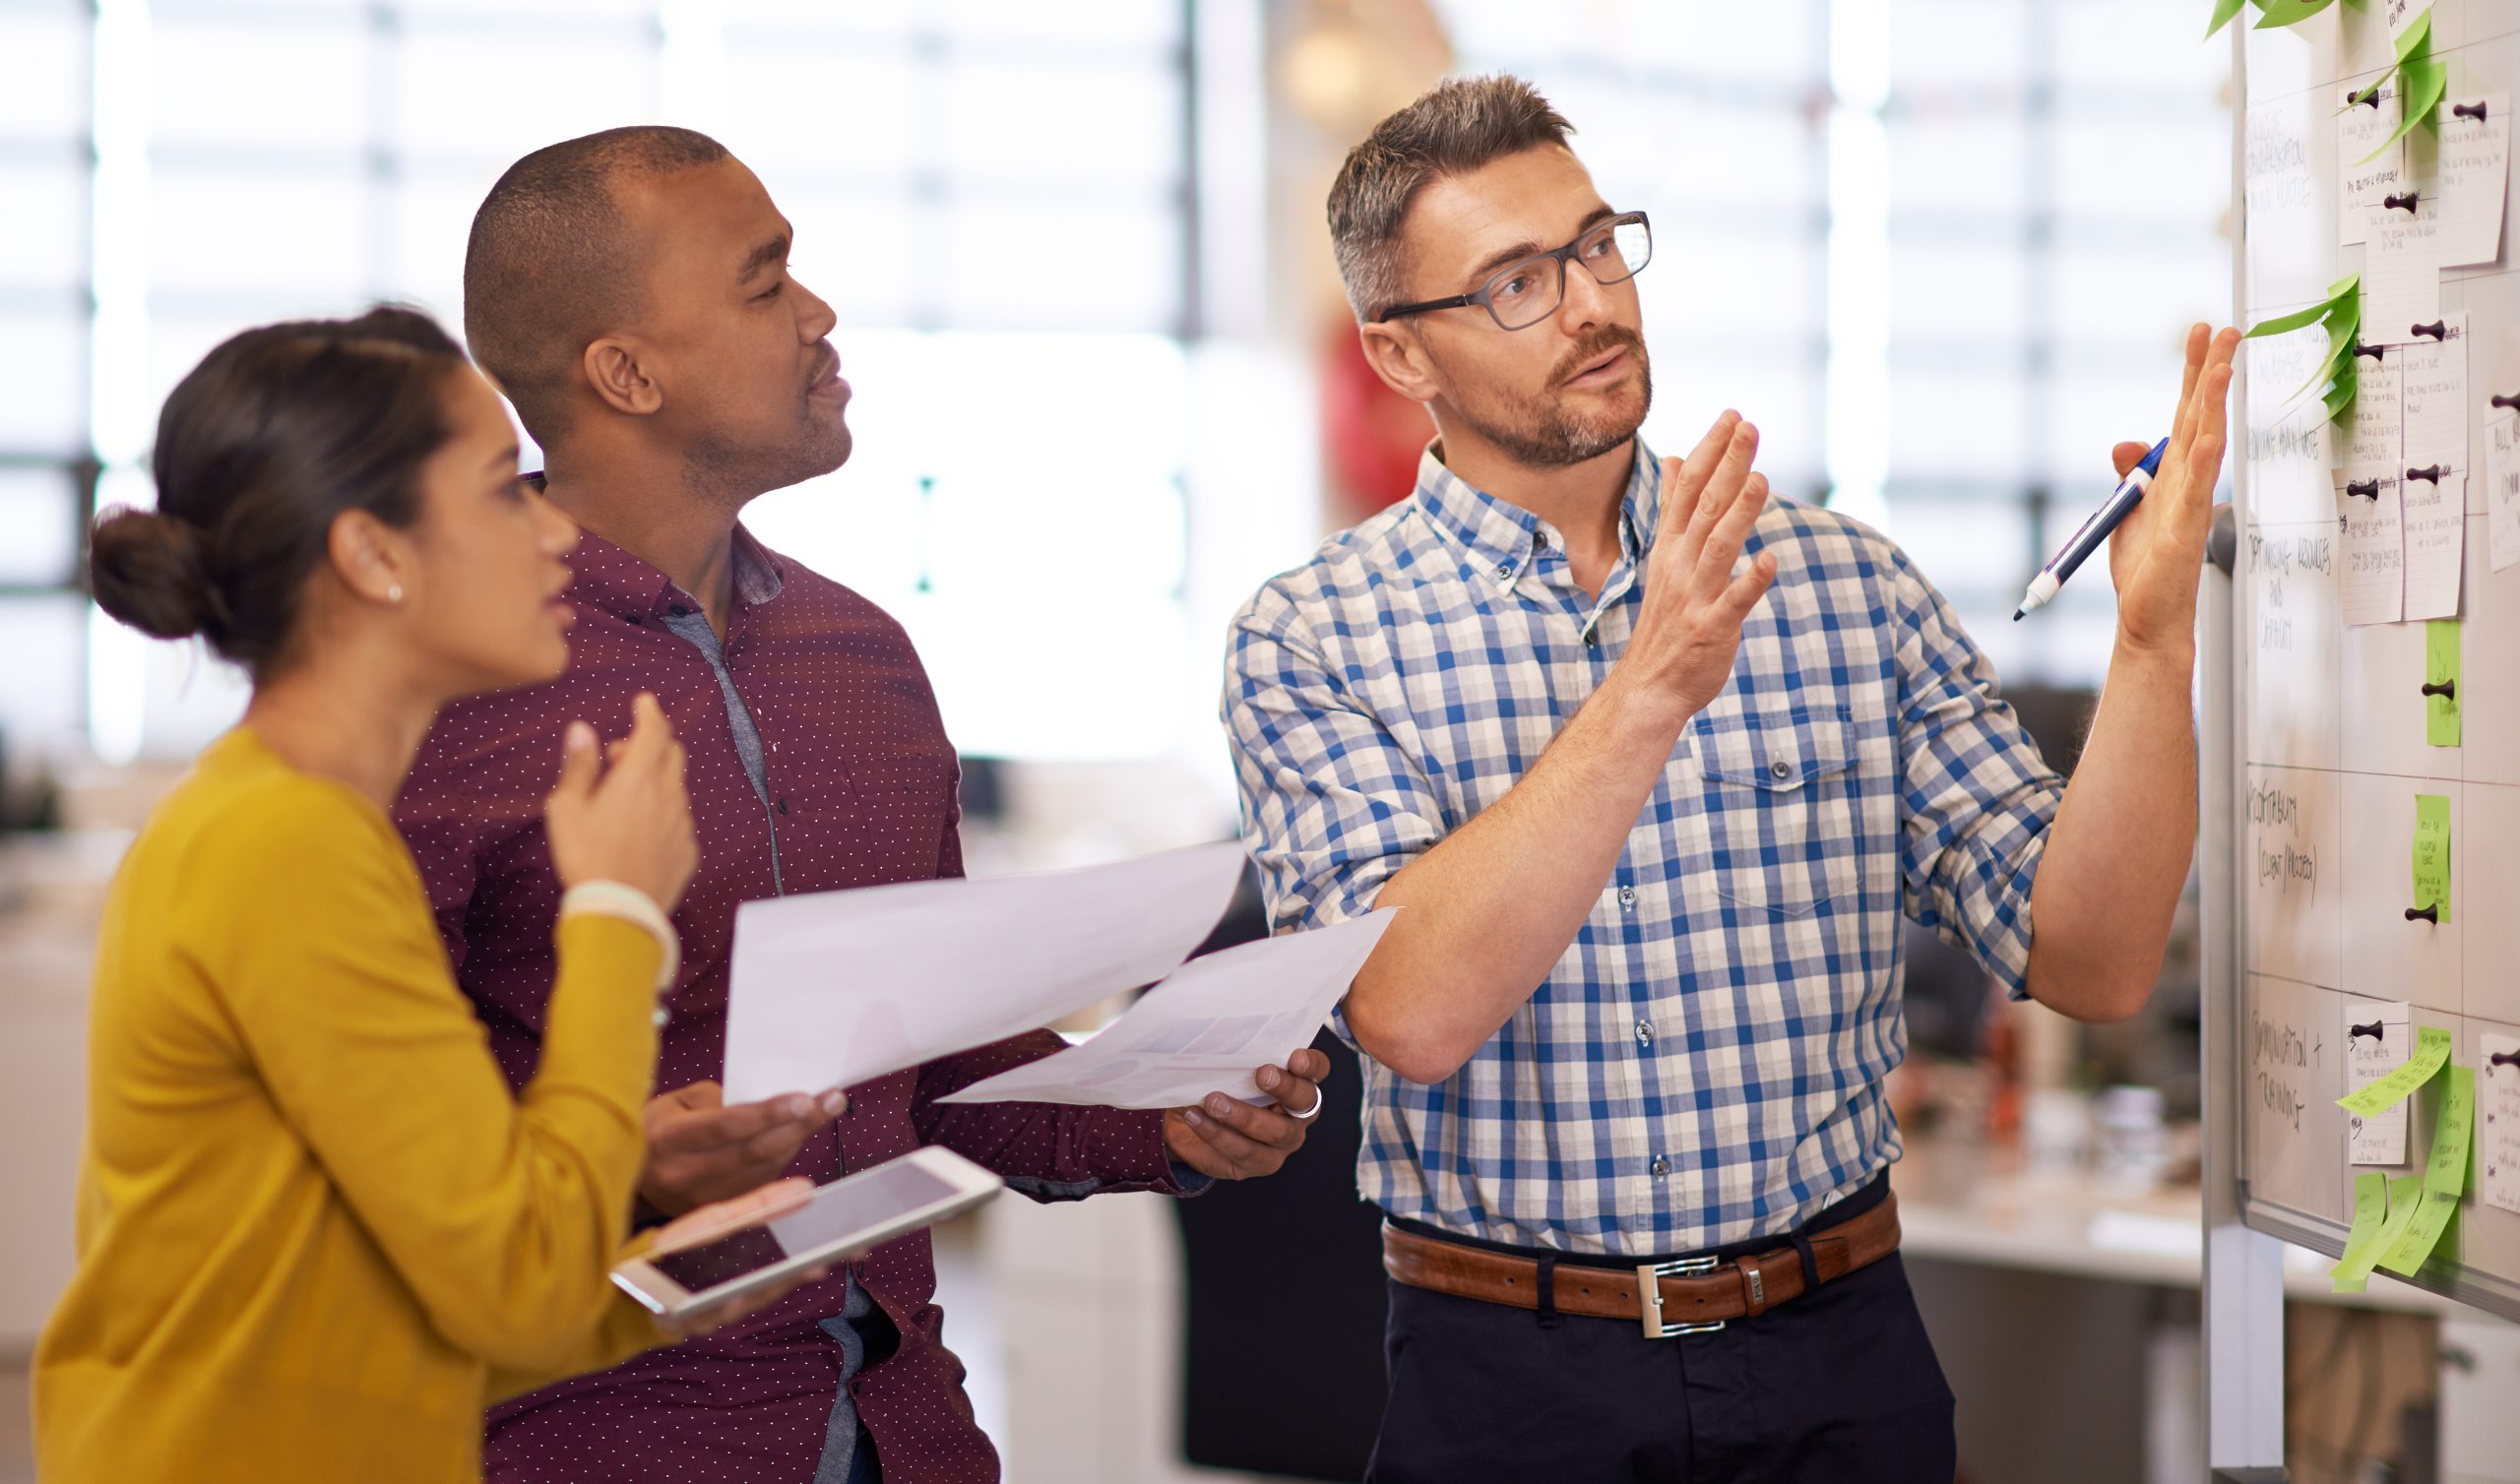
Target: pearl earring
point(394, 594)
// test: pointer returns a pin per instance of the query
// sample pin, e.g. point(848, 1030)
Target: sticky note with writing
point(2379, 1036)
point(2352, 1271)
point(2498, 1121)
point(2445, 1175)
point(2441, 683)
point(2432, 855)
point(2432, 1051)
point(2405, 1203)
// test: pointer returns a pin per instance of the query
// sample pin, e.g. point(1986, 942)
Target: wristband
point(613, 899)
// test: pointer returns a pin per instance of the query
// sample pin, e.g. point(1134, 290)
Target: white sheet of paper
point(2379, 427)
point(1206, 1029)
point(2360, 188)
point(2498, 1120)
point(2432, 388)
point(2371, 589)
point(2436, 538)
point(832, 989)
point(2402, 272)
point(2368, 1058)
point(2474, 168)
point(2503, 452)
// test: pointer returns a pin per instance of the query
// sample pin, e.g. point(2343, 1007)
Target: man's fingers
point(2197, 335)
point(1683, 478)
point(1295, 1093)
point(1724, 486)
point(1241, 1155)
point(2126, 456)
point(714, 1128)
point(1269, 1124)
point(1746, 591)
point(1310, 1065)
point(1724, 544)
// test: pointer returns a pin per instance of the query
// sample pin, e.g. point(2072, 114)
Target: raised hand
point(1689, 628)
point(2157, 556)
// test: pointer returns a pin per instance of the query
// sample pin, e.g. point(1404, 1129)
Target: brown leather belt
point(1689, 1296)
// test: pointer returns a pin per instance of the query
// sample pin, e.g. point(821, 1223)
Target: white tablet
point(842, 1219)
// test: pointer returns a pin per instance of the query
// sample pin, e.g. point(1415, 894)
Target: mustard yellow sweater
point(317, 1234)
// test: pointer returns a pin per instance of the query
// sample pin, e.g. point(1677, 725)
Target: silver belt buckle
point(1648, 1293)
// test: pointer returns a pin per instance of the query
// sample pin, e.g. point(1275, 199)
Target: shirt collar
point(612, 580)
point(1500, 535)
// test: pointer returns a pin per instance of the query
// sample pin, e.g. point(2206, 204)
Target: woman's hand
point(724, 1218)
point(631, 822)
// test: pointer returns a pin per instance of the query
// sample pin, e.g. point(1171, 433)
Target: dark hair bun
point(150, 571)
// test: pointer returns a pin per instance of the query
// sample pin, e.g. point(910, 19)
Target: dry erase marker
point(2094, 532)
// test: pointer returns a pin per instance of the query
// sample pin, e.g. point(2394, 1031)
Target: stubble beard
point(1553, 435)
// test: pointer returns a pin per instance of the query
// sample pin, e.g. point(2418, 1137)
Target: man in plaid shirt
point(1656, 765)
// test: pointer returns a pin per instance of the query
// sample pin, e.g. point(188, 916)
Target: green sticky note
point(2377, 1096)
point(2432, 855)
point(2405, 1203)
point(2224, 11)
point(2453, 1127)
point(2445, 1175)
point(2352, 1271)
point(2442, 668)
point(2290, 12)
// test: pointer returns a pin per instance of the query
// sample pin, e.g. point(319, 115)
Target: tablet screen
point(837, 1211)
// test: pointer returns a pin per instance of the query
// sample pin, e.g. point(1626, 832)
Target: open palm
point(2157, 551)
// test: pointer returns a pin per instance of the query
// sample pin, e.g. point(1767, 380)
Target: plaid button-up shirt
point(1707, 1061)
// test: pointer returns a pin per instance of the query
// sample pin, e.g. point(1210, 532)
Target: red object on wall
point(1370, 435)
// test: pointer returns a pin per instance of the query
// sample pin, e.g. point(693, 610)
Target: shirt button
point(1505, 571)
point(1644, 1032)
point(1661, 1166)
point(1627, 897)
point(1780, 770)
point(679, 611)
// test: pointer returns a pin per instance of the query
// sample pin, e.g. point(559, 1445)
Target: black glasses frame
point(1485, 296)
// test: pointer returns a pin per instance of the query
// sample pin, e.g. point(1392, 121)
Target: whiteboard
point(2328, 741)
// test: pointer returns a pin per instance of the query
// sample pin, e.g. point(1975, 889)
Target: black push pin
point(2509, 1059)
point(2404, 203)
point(2439, 330)
point(2377, 353)
point(2474, 110)
point(2425, 914)
point(2430, 473)
point(2447, 690)
point(2368, 489)
point(2374, 1030)
point(2503, 402)
point(2368, 97)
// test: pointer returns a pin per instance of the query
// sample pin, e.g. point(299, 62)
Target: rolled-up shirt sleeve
point(1333, 805)
point(1976, 797)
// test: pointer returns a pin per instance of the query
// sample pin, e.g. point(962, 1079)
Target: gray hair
point(1455, 127)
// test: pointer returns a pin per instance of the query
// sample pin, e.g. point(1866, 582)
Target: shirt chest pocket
point(1782, 818)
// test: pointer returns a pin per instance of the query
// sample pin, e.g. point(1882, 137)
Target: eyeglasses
point(1528, 290)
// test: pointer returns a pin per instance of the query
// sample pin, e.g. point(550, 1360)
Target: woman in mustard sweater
point(317, 1234)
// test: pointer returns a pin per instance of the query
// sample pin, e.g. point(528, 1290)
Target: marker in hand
point(2094, 532)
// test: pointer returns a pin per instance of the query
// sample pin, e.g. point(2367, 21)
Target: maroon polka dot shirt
point(861, 787)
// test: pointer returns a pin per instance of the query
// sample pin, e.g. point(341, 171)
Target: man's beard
point(733, 474)
point(1547, 434)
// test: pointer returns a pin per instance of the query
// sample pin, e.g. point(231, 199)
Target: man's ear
point(621, 381)
point(1400, 358)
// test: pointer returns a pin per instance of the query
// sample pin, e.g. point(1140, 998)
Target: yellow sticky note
point(2432, 854)
point(2352, 1271)
point(2431, 1052)
point(2441, 683)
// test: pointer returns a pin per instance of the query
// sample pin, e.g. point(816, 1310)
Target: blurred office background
point(1941, 250)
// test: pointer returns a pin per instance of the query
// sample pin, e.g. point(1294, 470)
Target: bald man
point(630, 293)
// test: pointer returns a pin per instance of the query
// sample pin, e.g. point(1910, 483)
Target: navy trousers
point(1840, 1385)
